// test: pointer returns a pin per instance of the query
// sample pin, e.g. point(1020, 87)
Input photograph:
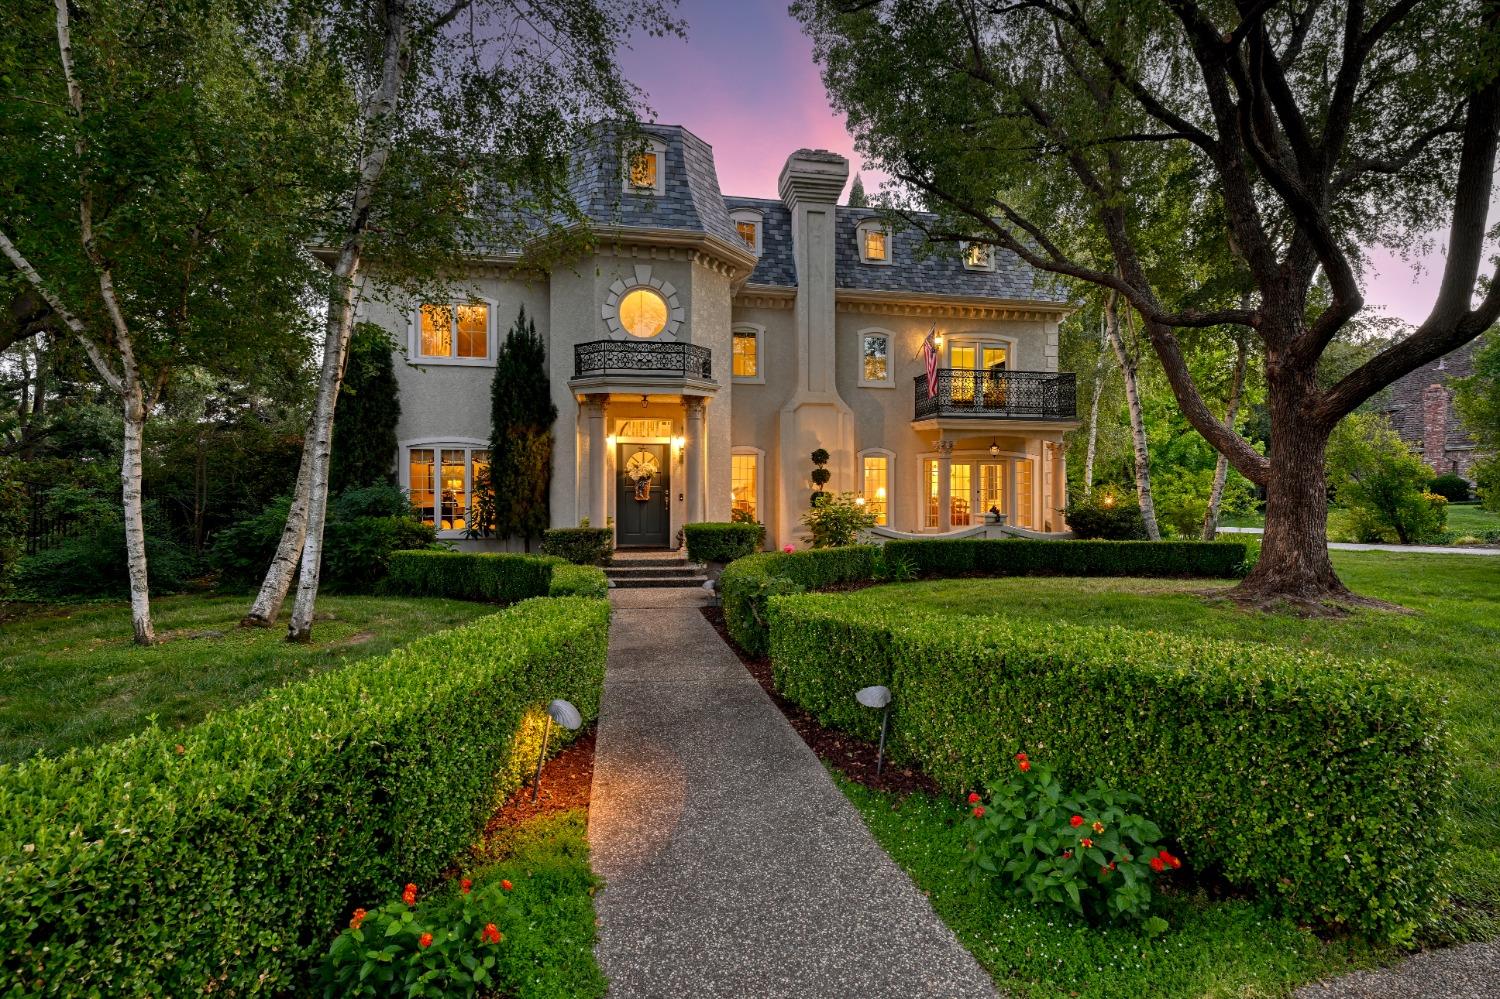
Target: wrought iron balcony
point(999, 395)
point(660, 358)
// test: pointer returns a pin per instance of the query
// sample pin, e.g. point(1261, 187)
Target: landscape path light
point(567, 716)
point(877, 697)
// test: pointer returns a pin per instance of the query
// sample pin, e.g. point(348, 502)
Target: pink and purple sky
point(744, 81)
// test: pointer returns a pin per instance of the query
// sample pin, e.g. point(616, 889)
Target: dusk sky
point(745, 82)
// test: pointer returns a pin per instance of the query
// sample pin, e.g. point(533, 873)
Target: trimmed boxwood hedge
point(748, 582)
point(580, 545)
point(222, 857)
point(715, 541)
point(1316, 782)
point(496, 577)
point(1025, 557)
point(570, 580)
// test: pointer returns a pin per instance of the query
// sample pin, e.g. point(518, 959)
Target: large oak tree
point(1302, 131)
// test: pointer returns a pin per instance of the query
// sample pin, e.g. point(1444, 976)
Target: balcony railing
point(1002, 395)
point(642, 357)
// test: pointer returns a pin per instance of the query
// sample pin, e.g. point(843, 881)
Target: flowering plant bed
point(1083, 851)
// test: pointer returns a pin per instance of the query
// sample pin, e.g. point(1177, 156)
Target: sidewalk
point(1404, 549)
point(733, 866)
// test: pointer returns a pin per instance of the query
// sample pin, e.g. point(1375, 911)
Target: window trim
point(754, 215)
point(439, 444)
point(760, 478)
point(416, 358)
point(869, 225)
point(890, 479)
point(649, 144)
point(988, 263)
point(889, 382)
point(759, 378)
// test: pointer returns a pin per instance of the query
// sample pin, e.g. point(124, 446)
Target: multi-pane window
point(743, 471)
point(875, 247)
point(449, 330)
point(876, 358)
point(746, 229)
point(977, 256)
point(1023, 494)
point(960, 483)
point(877, 473)
point(442, 484)
point(746, 354)
point(643, 171)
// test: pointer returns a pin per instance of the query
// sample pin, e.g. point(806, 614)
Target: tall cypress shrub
point(521, 418)
point(364, 428)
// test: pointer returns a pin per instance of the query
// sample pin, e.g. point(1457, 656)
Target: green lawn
point(1464, 520)
point(70, 676)
point(1451, 636)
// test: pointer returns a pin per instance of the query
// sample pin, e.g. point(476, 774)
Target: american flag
point(930, 355)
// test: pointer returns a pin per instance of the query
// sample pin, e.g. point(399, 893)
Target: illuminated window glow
point(455, 330)
point(746, 354)
point(877, 487)
point(643, 171)
point(875, 244)
point(743, 482)
point(442, 483)
point(747, 232)
point(643, 313)
point(876, 357)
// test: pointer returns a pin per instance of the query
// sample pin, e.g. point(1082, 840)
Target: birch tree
point(137, 206)
point(1231, 413)
point(1126, 355)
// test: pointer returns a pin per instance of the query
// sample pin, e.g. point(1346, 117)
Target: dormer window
point(874, 242)
point(747, 231)
point(643, 171)
point(747, 224)
point(645, 165)
point(979, 257)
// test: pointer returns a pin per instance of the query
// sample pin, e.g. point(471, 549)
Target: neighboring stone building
point(1420, 407)
point(709, 344)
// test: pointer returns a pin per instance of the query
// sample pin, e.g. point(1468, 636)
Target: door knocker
point(641, 468)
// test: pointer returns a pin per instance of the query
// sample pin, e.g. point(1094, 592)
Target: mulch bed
point(566, 781)
point(853, 757)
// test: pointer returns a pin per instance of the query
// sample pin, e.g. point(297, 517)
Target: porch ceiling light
point(879, 698)
point(565, 714)
point(994, 448)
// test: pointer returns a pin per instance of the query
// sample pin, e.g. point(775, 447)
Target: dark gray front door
point(643, 496)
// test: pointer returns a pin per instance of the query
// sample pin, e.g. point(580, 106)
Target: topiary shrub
point(493, 577)
point(217, 858)
point(1105, 516)
point(1453, 488)
point(721, 542)
point(580, 545)
point(1315, 782)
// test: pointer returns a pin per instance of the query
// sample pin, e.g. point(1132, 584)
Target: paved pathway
point(733, 865)
point(1404, 549)
point(1469, 972)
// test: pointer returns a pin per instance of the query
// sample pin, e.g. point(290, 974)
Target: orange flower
point(359, 917)
point(506, 885)
point(1025, 765)
point(1098, 827)
point(465, 885)
point(424, 941)
point(409, 894)
point(491, 934)
point(1086, 842)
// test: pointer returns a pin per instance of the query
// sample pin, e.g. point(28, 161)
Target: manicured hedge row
point(491, 576)
point(1317, 782)
point(748, 582)
point(222, 858)
point(580, 545)
point(570, 580)
point(723, 542)
point(1024, 557)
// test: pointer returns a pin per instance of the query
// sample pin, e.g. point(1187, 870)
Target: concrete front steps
point(654, 569)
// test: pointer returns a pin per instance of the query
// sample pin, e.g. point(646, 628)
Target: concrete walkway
point(733, 866)
point(1468, 972)
point(1402, 549)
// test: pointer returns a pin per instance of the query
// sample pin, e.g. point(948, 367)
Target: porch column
point(945, 485)
point(1059, 487)
point(693, 458)
point(594, 412)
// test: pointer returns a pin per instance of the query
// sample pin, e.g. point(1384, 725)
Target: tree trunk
point(135, 525)
point(1221, 467)
point(278, 581)
point(1137, 420)
point(1100, 367)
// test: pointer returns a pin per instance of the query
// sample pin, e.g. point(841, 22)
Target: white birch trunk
point(1100, 367)
point(1137, 420)
point(340, 319)
point(278, 582)
point(1221, 467)
point(135, 525)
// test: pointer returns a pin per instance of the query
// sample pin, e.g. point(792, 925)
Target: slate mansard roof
point(692, 202)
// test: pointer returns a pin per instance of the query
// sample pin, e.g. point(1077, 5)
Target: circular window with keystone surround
point(643, 313)
point(640, 306)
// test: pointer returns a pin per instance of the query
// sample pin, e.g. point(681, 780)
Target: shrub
point(749, 582)
point(92, 563)
point(1381, 481)
point(12, 520)
point(569, 580)
point(495, 577)
point(719, 542)
point(836, 520)
point(1104, 515)
point(580, 545)
point(1025, 557)
point(1453, 488)
point(1487, 482)
point(1080, 851)
point(1316, 782)
point(216, 858)
point(357, 551)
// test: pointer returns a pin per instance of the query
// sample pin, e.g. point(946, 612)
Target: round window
point(643, 313)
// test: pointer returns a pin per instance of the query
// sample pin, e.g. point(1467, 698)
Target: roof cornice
point(913, 303)
point(738, 260)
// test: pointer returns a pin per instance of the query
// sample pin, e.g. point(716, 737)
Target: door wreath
point(641, 469)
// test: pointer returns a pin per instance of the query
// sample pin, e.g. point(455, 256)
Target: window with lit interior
point(744, 472)
point(875, 359)
point(454, 330)
point(442, 482)
point(876, 486)
point(874, 243)
point(979, 256)
point(746, 347)
point(643, 313)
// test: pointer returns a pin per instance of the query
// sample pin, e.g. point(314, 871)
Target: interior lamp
point(880, 492)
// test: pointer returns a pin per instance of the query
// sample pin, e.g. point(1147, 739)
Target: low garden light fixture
point(567, 716)
point(879, 698)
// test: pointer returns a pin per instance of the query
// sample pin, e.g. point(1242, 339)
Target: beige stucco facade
point(670, 406)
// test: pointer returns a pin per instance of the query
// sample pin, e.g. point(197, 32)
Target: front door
point(643, 496)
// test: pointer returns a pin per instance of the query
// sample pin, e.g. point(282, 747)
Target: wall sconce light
point(877, 697)
point(679, 443)
point(567, 716)
point(937, 341)
point(611, 440)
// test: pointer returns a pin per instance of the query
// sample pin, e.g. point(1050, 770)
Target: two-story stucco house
point(709, 344)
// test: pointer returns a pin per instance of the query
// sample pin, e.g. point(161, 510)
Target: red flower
point(1104, 872)
point(1025, 765)
point(1098, 827)
point(506, 885)
point(465, 885)
point(409, 895)
point(424, 941)
point(1020, 756)
point(359, 917)
point(1067, 854)
point(979, 811)
point(1164, 855)
point(1157, 864)
point(1076, 821)
point(1174, 862)
point(973, 797)
point(1111, 865)
point(1086, 842)
point(492, 935)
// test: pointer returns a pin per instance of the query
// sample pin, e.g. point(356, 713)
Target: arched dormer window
point(644, 166)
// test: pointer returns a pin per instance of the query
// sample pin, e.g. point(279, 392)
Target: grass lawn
point(1464, 520)
point(70, 676)
point(1452, 637)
